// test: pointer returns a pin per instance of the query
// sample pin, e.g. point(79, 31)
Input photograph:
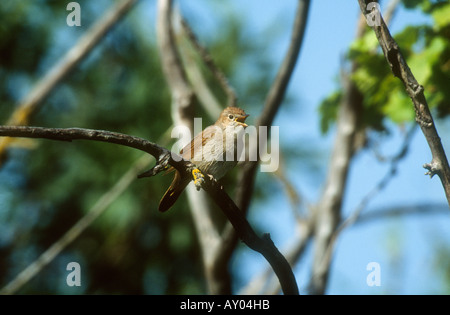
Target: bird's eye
point(231, 116)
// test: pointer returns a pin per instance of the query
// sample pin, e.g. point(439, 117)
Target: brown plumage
point(214, 157)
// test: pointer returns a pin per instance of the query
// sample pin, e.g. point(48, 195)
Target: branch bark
point(183, 98)
point(439, 163)
point(327, 213)
point(246, 179)
point(183, 105)
point(274, 99)
point(262, 245)
point(182, 94)
point(209, 62)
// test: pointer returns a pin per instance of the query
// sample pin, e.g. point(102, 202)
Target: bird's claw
point(199, 178)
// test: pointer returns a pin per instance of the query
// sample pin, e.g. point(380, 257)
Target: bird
point(213, 151)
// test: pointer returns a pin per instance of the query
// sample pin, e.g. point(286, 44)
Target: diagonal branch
point(327, 213)
point(183, 96)
point(439, 163)
point(183, 103)
point(263, 245)
point(209, 62)
point(246, 180)
point(64, 66)
point(274, 98)
point(278, 89)
point(319, 278)
point(72, 234)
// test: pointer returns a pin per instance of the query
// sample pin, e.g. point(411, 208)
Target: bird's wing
point(188, 151)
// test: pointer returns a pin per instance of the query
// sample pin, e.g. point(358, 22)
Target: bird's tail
point(173, 192)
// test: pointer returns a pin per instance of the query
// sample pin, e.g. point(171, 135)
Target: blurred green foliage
point(426, 49)
point(131, 248)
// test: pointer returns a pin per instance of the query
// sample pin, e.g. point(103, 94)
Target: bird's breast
point(219, 155)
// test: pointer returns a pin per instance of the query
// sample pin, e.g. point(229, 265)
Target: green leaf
point(328, 111)
point(368, 43)
point(411, 4)
point(441, 16)
point(422, 64)
point(399, 107)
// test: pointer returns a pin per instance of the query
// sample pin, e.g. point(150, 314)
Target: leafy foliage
point(427, 52)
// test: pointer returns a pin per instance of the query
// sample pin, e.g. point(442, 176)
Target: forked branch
point(439, 163)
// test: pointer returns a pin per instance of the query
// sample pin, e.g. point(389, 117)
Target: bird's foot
point(199, 178)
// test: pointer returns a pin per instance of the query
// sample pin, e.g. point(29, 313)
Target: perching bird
point(215, 157)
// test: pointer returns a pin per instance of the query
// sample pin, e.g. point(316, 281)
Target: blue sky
point(403, 247)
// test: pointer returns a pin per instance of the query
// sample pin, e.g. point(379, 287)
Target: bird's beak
point(241, 120)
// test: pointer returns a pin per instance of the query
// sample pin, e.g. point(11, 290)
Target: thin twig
point(292, 253)
point(329, 208)
point(327, 214)
point(274, 100)
point(391, 10)
point(349, 221)
point(402, 210)
point(383, 182)
point(183, 97)
point(246, 177)
point(439, 163)
point(209, 62)
point(204, 94)
point(183, 103)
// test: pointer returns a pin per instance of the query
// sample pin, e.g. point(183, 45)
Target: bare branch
point(278, 89)
point(183, 102)
point(293, 252)
point(198, 82)
point(70, 134)
point(396, 211)
point(274, 99)
point(391, 10)
point(328, 211)
point(273, 102)
point(73, 57)
point(381, 184)
point(262, 245)
point(209, 61)
point(348, 222)
point(439, 163)
point(182, 95)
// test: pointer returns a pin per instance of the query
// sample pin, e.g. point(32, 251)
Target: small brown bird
point(211, 151)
